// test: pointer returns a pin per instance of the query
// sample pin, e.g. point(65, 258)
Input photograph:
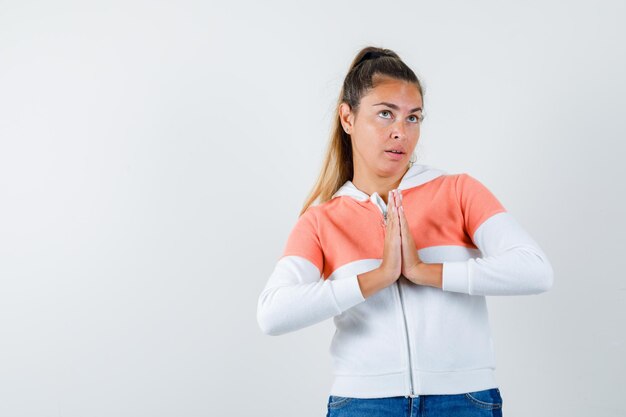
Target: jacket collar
point(416, 175)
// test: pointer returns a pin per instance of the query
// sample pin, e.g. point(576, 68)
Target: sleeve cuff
point(455, 277)
point(347, 292)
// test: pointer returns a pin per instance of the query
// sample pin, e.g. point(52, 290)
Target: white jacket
point(406, 339)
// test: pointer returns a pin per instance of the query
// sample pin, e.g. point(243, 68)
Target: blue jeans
point(470, 404)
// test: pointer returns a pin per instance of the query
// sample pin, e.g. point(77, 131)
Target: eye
point(419, 118)
point(384, 111)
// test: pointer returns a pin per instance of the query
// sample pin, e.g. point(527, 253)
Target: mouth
point(395, 154)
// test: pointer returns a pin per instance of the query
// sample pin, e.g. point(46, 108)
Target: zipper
point(408, 344)
point(406, 326)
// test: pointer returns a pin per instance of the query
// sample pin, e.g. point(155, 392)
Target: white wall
point(154, 156)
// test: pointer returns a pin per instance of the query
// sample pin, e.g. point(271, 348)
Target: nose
point(398, 131)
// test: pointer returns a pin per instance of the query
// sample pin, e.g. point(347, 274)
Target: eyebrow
point(395, 107)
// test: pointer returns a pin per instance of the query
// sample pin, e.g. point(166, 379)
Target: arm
point(512, 262)
point(296, 295)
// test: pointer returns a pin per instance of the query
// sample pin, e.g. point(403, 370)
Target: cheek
point(368, 146)
point(368, 137)
point(415, 133)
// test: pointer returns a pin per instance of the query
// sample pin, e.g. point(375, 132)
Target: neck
point(370, 182)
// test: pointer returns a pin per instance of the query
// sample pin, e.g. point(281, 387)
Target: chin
point(399, 168)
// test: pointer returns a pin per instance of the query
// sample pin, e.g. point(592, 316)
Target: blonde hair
point(369, 64)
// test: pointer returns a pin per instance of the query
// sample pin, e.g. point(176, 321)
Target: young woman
point(401, 256)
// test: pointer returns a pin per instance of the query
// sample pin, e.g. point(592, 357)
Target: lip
point(395, 156)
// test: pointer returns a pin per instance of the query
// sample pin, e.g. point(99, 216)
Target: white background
point(154, 156)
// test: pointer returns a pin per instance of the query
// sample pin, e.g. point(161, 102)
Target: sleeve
point(296, 294)
point(512, 263)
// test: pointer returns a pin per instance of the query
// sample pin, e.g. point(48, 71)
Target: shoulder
point(303, 240)
point(476, 201)
point(308, 219)
point(466, 180)
point(466, 183)
point(320, 211)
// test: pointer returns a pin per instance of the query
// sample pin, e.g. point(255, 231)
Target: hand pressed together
point(400, 253)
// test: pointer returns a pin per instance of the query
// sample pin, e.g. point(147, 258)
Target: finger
point(404, 224)
point(390, 205)
point(404, 230)
point(392, 214)
point(401, 214)
point(407, 237)
point(404, 227)
point(396, 205)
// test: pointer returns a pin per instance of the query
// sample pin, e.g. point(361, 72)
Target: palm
point(410, 258)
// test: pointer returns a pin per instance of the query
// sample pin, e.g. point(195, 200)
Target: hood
point(416, 175)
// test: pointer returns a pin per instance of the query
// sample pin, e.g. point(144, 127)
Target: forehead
point(402, 93)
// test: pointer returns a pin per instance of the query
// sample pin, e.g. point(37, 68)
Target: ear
point(346, 118)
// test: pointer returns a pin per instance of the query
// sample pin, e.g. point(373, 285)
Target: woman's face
point(388, 119)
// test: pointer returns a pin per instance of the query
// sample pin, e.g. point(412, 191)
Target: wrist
point(431, 274)
point(387, 274)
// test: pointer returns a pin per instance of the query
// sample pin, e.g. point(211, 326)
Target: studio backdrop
point(155, 155)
